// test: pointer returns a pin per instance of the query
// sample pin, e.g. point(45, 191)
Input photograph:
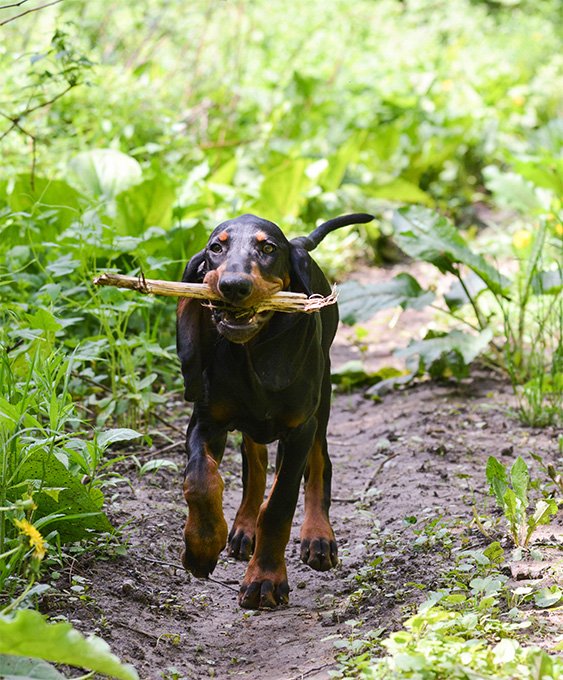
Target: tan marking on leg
point(241, 537)
point(318, 546)
point(205, 532)
point(265, 581)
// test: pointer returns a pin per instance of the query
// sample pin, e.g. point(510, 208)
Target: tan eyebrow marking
point(223, 236)
point(261, 236)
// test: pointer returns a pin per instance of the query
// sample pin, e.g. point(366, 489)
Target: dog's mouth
point(238, 324)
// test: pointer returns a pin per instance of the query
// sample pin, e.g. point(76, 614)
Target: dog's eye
point(216, 248)
point(268, 248)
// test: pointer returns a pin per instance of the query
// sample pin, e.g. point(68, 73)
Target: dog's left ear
point(300, 268)
point(190, 324)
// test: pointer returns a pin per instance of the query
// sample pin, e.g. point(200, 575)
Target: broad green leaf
point(53, 491)
point(428, 236)
point(505, 651)
point(46, 194)
point(543, 512)
point(27, 668)
point(74, 498)
point(119, 434)
point(512, 191)
point(494, 552)
point(153, 465)
point(359, 302)
point(543, 172)
point(9, 414)
point(283, 189)
point(144, 205)
point(28, 634)
point(224, 174)
point(442, 355)
point(401, 191)
point(338, 163)
point(547, 597)
point(105, 172)
point(44, 320)
point(520, 480)
point(497, 478)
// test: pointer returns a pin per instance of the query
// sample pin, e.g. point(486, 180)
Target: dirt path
point(420, 453)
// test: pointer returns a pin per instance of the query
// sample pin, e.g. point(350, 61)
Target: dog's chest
point(240, 398)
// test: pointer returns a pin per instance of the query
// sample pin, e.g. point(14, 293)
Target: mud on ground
point(420, 453)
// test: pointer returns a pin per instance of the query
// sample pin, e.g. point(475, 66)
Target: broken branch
point(284, 301)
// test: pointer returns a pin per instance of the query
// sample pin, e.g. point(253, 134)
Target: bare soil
point(420, 453)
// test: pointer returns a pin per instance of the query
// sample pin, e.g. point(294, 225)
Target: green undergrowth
point(474, 627)
point(483, 605)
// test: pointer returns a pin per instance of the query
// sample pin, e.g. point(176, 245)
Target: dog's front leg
point(205, 532)
point(265, 582)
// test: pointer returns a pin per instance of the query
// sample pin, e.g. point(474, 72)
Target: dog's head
point(246, 260)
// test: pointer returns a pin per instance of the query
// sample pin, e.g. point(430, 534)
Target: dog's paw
point(264, 589)
point(319, 553)
point(202, 547)
point(241, 543)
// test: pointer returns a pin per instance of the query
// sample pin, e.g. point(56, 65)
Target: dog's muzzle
point(238, 324)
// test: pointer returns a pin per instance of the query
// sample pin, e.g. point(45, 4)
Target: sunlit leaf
point(28, 634)
point(73, 499)
point(119, 434)
point(105, 172)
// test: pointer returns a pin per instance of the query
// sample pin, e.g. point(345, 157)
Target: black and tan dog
point(267, 375)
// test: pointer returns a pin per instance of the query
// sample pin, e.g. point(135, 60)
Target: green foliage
point(440, 644)
point(511, 492)
point(445, 354)
point(359, 302)
point(460, 631)
point(525, 312)
point(430, 237)
point(353, 374)
point(29, 636)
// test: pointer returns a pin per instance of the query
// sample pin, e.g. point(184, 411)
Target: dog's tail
point(315, 237)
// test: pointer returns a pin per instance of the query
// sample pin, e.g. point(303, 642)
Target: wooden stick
point(284, 301)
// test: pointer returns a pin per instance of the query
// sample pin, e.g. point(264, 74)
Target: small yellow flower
point(521, 239)
point(518, 100)
point(35, 539)
point(559, 229)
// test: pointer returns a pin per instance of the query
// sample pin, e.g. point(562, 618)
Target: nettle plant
point(515, 321)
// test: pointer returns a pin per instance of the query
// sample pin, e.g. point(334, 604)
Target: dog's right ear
point(190, 324)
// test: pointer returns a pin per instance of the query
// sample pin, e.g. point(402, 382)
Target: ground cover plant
point(127, 132)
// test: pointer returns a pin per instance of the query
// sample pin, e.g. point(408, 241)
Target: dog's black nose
point(234, 287)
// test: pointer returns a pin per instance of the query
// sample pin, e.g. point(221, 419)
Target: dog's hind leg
point(254, 471)
point(318, 545)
